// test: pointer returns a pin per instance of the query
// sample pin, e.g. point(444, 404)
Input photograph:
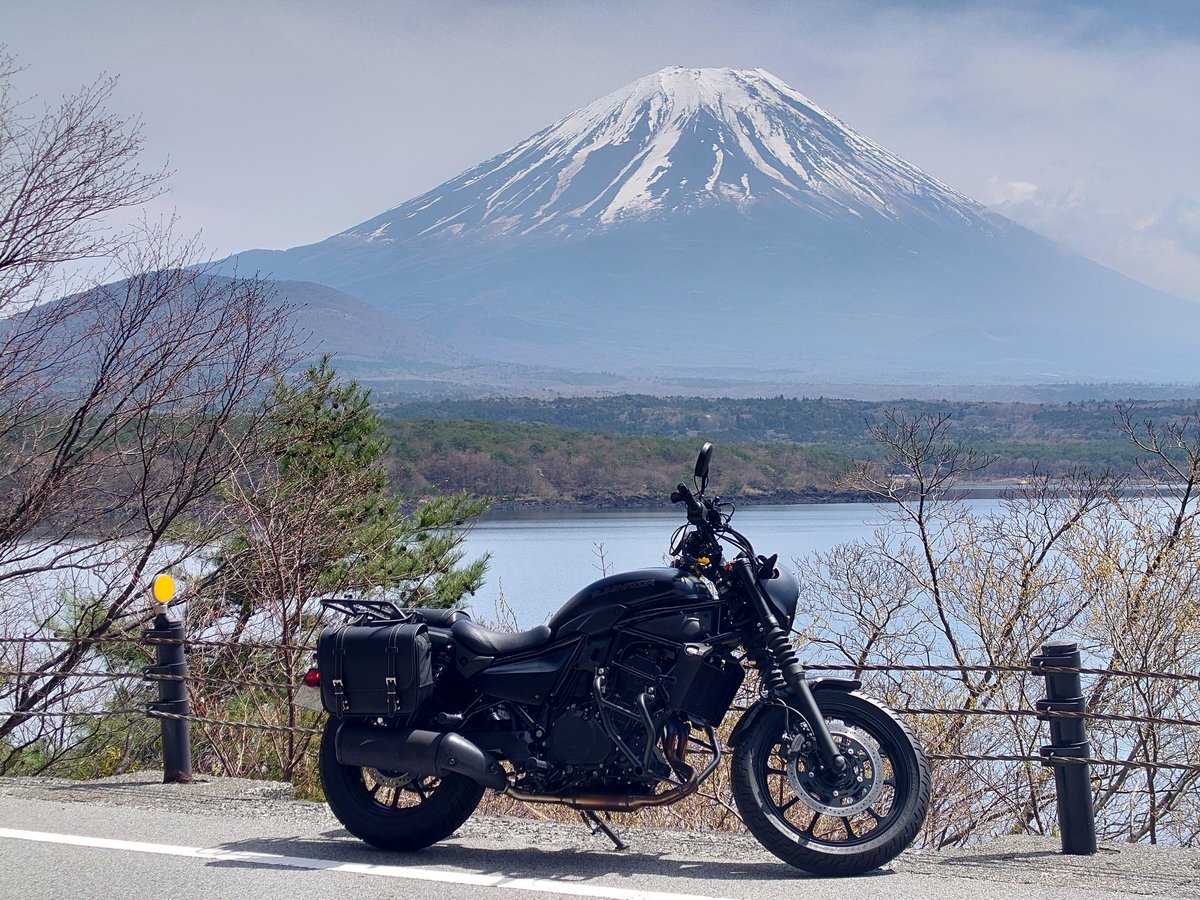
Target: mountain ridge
point(718, 218)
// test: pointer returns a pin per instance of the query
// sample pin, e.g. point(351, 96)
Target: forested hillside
point(817, 420)
point(629, 448)
point(549, 464)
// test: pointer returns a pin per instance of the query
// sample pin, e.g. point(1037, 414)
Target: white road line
point(217, 854)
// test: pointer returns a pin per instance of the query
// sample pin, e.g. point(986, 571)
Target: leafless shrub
point(1065, 557)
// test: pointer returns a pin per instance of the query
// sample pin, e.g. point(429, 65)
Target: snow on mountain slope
point(717, 218)
point(676, 140)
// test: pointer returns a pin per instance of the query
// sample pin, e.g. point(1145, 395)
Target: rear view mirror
point(702, 462)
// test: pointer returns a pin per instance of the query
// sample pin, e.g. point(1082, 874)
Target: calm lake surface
point(539, 559)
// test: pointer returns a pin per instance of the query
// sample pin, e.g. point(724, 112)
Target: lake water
point(540, 559)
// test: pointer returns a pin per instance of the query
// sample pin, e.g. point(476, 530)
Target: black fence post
point(170, 670)
point(1068, 744)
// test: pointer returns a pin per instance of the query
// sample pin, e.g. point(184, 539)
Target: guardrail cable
point(1073, 760)
point(198, 646)
point(145, 676)
point(229, 723)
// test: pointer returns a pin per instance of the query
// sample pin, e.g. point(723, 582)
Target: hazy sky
point(286, 122)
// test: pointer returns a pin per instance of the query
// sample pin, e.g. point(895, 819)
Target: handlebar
point(695, 511)
point(711, 527)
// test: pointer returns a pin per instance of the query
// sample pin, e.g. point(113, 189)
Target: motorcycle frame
point(740, 615)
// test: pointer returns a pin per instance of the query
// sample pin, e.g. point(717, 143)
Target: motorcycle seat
point(498, 643)
point(438, 618)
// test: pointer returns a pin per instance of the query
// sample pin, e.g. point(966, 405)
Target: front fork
point(784, 656)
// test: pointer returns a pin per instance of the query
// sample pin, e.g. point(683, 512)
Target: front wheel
point(825, 824)
point(394, 810)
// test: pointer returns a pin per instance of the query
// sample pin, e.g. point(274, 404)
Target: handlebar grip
point(681, 494)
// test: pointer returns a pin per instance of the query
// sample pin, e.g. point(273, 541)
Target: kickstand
point(596, 826)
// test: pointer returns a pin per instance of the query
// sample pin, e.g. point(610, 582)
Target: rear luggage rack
point(385, 612)
point(359, 612)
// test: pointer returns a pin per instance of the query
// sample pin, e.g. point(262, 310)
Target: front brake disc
point(852, 793)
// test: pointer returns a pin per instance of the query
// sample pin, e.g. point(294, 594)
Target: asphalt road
point(133, 838)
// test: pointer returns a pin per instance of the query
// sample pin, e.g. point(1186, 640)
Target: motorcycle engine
point(577, 738)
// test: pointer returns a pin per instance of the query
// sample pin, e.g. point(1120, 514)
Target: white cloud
point(1179, 222)
point(1009, 192)
point(1161, 250)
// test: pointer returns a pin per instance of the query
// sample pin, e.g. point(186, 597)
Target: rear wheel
point(394, 810)
point(826, 824)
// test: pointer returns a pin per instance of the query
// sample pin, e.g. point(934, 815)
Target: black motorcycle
point(613, 706)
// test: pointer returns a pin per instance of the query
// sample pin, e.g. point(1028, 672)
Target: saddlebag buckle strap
point(393, 650)
point(339, 657)
point(339, 695)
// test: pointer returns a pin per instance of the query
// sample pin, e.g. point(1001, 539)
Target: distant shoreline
point(617, 503)
point(812, 496)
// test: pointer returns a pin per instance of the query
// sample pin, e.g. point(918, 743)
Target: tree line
point(542, 464)
point(1055, 437)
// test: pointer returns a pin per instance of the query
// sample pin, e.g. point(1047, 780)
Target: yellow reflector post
point(164, 588)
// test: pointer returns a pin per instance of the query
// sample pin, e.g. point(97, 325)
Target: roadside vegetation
point(1065, 557)
point(148, 422)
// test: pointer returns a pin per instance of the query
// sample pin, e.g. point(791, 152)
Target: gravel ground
point(1135, 869)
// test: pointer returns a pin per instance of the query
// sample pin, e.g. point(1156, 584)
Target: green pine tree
point(313, 517)
point(319, 518)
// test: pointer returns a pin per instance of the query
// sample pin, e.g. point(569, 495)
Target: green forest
point(633, 449)
point(546, 464)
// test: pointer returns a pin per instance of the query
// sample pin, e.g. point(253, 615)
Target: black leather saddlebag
point(374, 670)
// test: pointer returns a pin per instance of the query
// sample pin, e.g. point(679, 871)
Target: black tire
point(793, 811)
point(394, 810)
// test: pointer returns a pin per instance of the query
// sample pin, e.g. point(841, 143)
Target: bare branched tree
point(1140, 563)
point(947, 585)
point(63, 170)
point(122, 406)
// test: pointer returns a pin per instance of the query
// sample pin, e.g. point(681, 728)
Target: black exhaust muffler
point(416, 752)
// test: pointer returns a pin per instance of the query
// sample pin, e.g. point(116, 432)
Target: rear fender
point(818, 686)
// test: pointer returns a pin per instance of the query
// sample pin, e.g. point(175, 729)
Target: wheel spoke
point(876, 816)
point(812, 826)
point(849, 831)
point(375, 790)
point(773, 771)
point(789, 804)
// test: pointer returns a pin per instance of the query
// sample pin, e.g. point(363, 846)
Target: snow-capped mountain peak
point(676, 140)
point(716, 219)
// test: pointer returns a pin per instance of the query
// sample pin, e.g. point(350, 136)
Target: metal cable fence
point(192, 645)
point(170, 673)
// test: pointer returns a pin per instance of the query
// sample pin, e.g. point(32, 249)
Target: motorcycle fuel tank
point(599, 605)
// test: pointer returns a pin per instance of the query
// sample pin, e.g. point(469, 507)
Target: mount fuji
point(707, 220)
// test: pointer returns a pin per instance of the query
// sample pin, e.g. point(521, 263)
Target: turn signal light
point(312, 678)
